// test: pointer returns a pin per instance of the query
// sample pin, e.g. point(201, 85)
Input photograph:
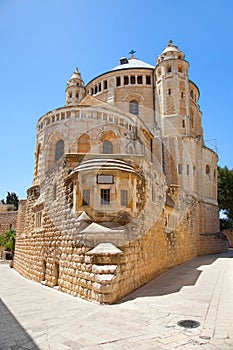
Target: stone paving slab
point(36, 317)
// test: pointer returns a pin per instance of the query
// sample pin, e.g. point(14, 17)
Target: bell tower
point(172, 92)
point(75, 90)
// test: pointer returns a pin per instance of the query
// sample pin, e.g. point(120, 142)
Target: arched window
point(133, 107)
point(107, 147)
point(59, 149)
point(84, 144)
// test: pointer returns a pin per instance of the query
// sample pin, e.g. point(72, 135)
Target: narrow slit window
point(179, 169)
point(126, 80)
point(132, 79)
point(124, 197)
point(118, 81)
point(139, 79)
point(86, 197)
point(105, 84)
point(148, 80)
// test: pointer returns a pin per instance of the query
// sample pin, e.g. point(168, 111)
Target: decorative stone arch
point(84, 143)
point(109, 142)
point(136, 97)
point(134, 100)
point(54, 149)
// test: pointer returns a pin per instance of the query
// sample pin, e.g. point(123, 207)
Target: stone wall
point(106, 274)
point(7, 220)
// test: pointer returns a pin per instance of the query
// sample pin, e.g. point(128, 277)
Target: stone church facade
point(124, 187)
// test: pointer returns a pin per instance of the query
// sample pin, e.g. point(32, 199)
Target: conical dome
point(75, 79)
point(170, 52)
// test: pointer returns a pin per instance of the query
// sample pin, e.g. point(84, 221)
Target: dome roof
point(132, 62)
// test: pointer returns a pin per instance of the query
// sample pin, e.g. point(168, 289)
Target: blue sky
point(42, 42)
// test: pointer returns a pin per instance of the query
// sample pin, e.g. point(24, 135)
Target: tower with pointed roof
point(75, 90)
point(177, 110)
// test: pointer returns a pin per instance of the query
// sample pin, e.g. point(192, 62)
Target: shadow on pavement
point(174, 279)
point(12, 335)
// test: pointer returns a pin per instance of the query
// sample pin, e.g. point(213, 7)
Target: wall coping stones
point(105, 249)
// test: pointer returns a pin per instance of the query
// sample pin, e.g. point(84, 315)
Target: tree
point(13, 199)
point(225, 195)
point(7, 240)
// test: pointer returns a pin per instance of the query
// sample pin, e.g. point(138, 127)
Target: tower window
point(126, 80)
point(99, 87)
point(54, 192)
point(169, 92)
point(118, 81)
point(148, 80)
point(132, 79)
point(86, 197)
point(182, 95)
point(183, 123)
point(105, 196)
point(179, 169)
point(139, 79)
point(124, 197)
point(59, 150)
point(180, 70)
point(194, 170)
point(76, 94)
point(96, 89)
point(207, 169)
point(169, 69)
point(38, 219)
point(133, 107)
point(70, 95)
point(107, 147)
point(105, 84)
point(187, 169)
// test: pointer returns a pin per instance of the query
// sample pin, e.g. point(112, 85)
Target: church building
point(124, 186)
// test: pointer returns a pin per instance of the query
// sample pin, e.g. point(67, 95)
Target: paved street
point(36, 317)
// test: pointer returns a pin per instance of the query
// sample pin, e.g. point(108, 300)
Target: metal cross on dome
point(132, 52)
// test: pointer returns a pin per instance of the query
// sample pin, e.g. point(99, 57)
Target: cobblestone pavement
point(36, 317)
